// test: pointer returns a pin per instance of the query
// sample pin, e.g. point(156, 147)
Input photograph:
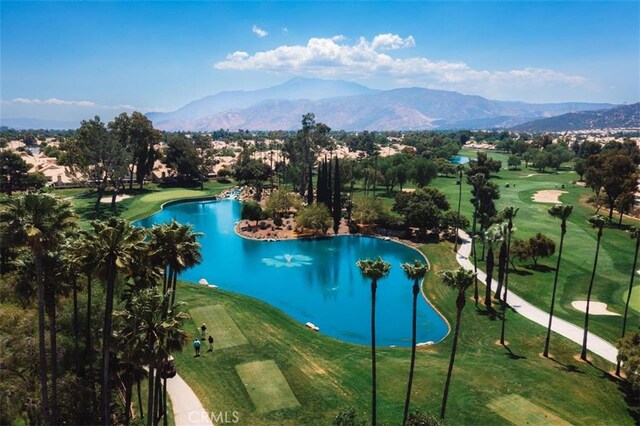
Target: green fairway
point(142, 203)
point(220, 325)
point(616, 252)
point(266, 386)
point(520, 411)
point(634, 303)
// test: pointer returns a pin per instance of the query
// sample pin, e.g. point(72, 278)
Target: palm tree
point(116, 240)
point(477, 181)
point(509, 213)
point(459, 280)
point(374, 271)
point(175, 248)
point(492, 236)
point(39, 221)
point(597, 222)
point(415, 272)
point(635, 233)
point(562, 213)
point(153, 335)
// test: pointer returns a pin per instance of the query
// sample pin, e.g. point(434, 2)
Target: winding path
point(595, 344)
point(187, 409)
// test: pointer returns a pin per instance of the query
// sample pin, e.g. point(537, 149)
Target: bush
point(420, 418)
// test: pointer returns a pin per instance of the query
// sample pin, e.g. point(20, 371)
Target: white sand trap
point(532, 174)
point(119, 197)
point(548, 196)
point(595, 308)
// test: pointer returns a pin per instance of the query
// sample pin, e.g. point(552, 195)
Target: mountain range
point(348, 106)
point(623, 116)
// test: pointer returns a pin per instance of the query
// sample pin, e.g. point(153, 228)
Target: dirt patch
point(595, 308)
point(548, 196)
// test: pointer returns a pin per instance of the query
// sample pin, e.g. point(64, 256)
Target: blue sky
point(70, 60)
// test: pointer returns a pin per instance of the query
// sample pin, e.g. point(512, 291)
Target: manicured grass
point(143, 202)
point(616, 253)
point(520, 411)
point(266, 386)
point(326, 375)
point(224, 330)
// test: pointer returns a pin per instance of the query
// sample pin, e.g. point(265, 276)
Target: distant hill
point(623, 116)
point(35, 123)
point(349, 106)
point(296, 88)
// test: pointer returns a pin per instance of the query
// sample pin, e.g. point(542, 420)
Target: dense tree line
point(69, 284)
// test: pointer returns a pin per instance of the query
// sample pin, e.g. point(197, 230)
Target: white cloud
point(285, 31)
point(259, 31)
point(61, 102)
point(333, 57)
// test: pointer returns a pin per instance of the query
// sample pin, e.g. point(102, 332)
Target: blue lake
point(457, 159)
point(310, 280)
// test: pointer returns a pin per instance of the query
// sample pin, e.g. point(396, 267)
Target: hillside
point(623, 116)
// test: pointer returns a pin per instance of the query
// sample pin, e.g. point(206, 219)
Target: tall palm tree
point(492, 236)
point(598, 223)
point(415, 272)
point(374, 271)
point(39, 221)
point(635, 234)
point(116, 240)
point(459, 280)
point(477, 181)
point(562, 213)
point(509, 214)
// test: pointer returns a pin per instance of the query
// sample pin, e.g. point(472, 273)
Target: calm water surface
point(310, 280)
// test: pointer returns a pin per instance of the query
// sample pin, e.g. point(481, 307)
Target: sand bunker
point(595, 308)
point(119, 197)
point(548, 196)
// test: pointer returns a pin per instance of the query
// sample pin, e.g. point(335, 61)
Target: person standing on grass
point(196, 346)
point(203, 330)
point(210, 343)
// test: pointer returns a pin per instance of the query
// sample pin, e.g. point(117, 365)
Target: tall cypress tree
point(320, 183)
point(337, 205)
point(310, 184)
point(329, 188)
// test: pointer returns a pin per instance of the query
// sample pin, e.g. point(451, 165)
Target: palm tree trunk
point(54, 363)
point(506, 286)
point(150, 409)
point(475, 259)
point(106, 341)
point(626, 306)
point(553, 293)
point(455, 245)
point(407, 400)
point(373, 352)
point(583, 355)
point(88, 319)
point(487, 291)
point(158, 400)
point(164, 401)
point(140, 400)
point(501, 269)
point(128, 393)
point(44, 392)
point(451, 361)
